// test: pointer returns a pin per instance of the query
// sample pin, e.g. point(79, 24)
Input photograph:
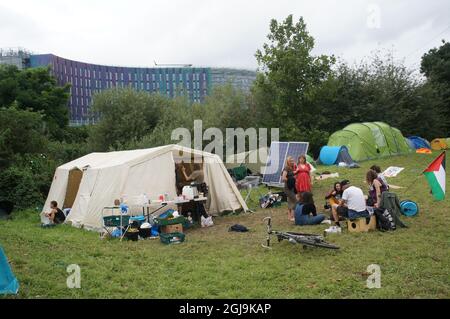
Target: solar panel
point(278, 153)
point(275, 163)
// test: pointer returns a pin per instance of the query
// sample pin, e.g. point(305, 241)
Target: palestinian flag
point(435, 174)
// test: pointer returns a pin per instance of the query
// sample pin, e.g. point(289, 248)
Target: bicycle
point(311, 240)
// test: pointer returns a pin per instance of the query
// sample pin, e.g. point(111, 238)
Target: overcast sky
point(216, 33)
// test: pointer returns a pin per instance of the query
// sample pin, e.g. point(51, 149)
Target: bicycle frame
point(295, 238)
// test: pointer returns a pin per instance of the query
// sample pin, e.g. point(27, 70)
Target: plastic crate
point(171, 238)
point(173, 221)
point(114, 221)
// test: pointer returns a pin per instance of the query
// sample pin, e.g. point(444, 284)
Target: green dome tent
point(370, 140)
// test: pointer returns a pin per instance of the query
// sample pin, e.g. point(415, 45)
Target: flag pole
point(413, 182)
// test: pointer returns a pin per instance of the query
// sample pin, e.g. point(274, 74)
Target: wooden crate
point(360, 225)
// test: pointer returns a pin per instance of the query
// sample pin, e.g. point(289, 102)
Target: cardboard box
point(177, 228)
point(360, 225)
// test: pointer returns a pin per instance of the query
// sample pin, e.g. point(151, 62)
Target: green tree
point(126, 115)
point(226, 107)
point(21, 133)
point(435, 65)
point(36, 89)
point(379, 89)
point(294, 75)
point(9, 85)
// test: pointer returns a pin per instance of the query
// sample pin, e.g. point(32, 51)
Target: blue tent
point(331, 155)
point(419, 142)
point(8, 283)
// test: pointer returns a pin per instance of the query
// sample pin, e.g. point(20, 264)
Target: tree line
point(307, 96)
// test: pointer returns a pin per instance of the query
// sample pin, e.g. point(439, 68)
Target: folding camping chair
point(121, 221)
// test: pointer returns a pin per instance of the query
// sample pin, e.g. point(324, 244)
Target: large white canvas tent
point(92, 182)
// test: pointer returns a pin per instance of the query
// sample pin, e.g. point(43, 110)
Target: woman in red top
point(303, 175)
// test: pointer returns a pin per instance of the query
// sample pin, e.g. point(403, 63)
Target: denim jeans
point(353, 214)
point(301, 219)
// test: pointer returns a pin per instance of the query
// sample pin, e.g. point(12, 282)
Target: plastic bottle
point(145, 199)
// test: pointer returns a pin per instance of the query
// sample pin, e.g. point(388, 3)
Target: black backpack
point(238, 228)
point(385, 221)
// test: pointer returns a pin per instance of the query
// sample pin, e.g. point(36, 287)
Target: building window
point(121, 76)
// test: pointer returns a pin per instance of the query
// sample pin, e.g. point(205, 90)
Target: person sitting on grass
point(333, 197)
point(376, 188)
point(352, 204)
point(377, 169)
point(305, 211)
point(56, 215)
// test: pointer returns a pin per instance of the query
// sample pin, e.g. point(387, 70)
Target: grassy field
point(214, 263)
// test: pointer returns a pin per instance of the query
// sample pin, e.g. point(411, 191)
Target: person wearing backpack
point(288, 178)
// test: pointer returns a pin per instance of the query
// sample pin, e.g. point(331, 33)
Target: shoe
point(326, 221)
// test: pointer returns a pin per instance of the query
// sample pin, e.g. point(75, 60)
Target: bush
point(19, 186)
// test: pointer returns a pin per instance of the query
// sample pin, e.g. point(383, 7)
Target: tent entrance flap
point(73, 184)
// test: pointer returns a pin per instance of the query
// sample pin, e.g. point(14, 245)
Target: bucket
point(145, 232)
point(132, 234)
